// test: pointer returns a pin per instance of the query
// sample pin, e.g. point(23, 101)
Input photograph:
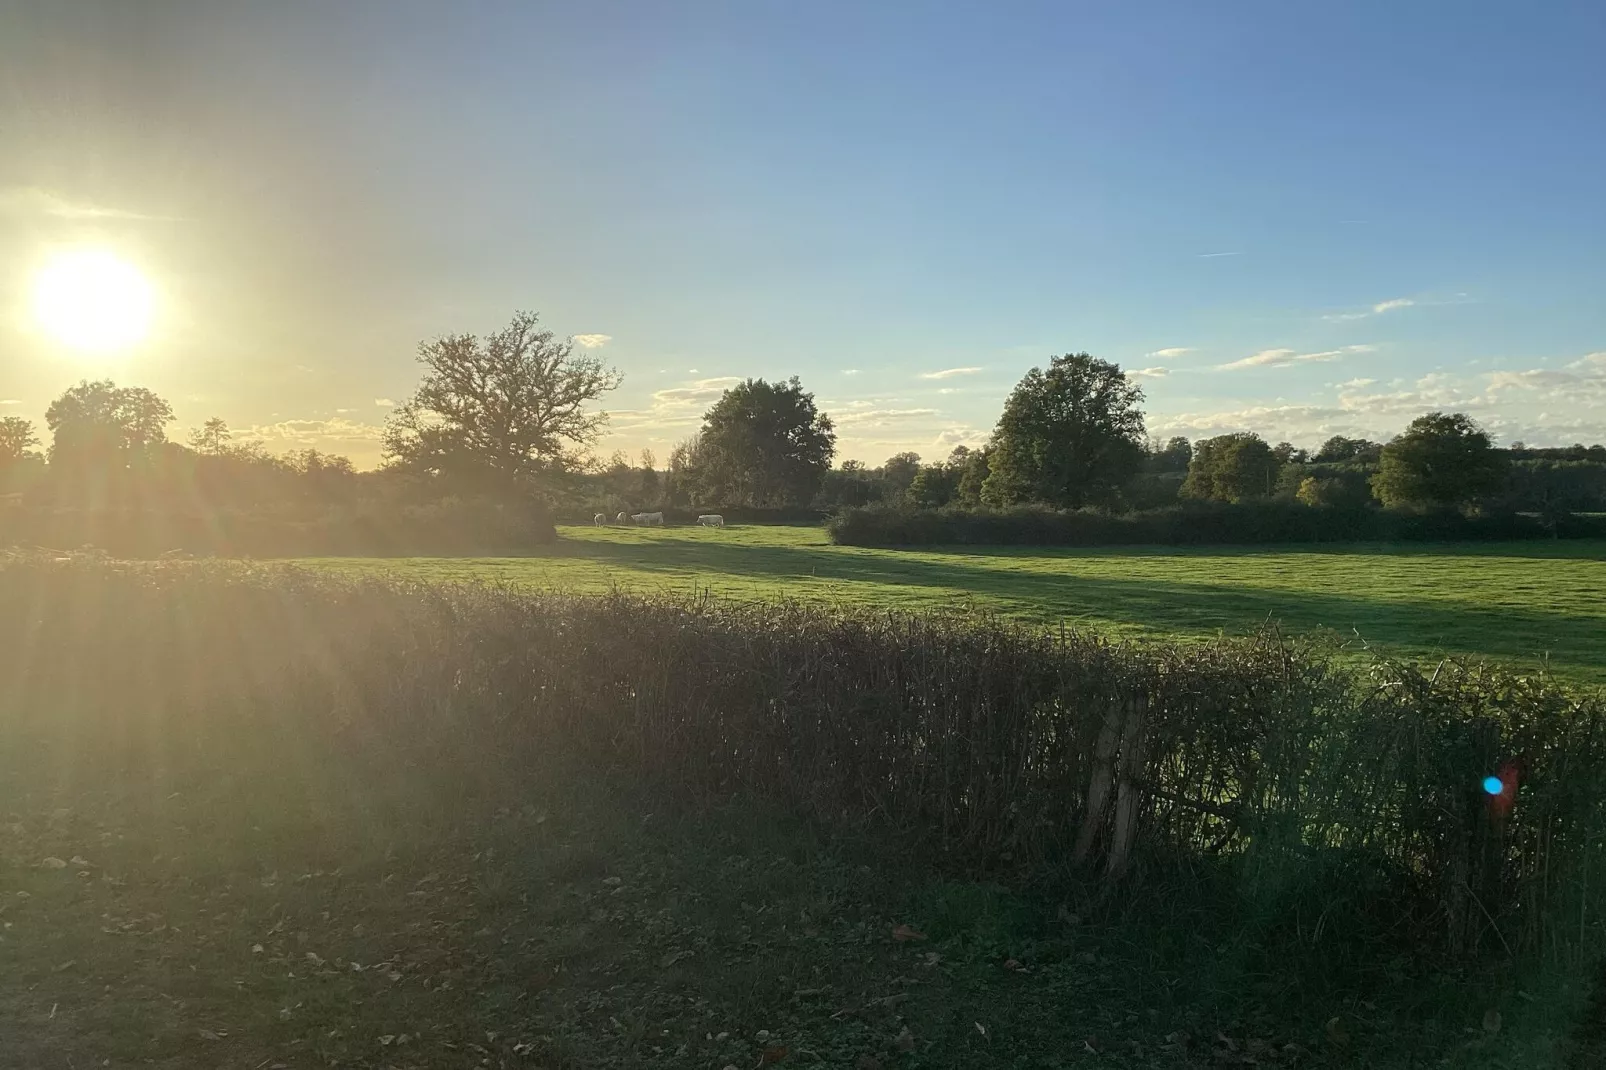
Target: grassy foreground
point(1529, 604)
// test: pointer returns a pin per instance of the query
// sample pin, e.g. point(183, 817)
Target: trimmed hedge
point(1187, 525)
point(1343, 803)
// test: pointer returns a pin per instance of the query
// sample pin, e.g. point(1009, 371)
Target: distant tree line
point(500, 430)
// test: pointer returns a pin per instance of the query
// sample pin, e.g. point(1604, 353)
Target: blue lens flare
point(1493, 785)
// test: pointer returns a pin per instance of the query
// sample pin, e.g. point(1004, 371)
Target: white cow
point(648, 519)
point(711, 520)
point(600, 519)
point(621, 518)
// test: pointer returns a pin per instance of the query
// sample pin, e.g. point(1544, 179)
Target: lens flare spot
point(1493, 785)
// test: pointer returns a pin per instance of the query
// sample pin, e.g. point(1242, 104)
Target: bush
point(370, 528)
point(1314, 790)
point(1197, 524)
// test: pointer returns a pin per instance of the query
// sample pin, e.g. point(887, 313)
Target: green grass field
point(1528, 604)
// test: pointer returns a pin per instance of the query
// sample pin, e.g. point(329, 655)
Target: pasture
point(1527, 604)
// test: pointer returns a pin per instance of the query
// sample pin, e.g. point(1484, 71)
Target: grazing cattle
point(600, 519)
point(648, 519)
point(621, 518)
point(711, 520)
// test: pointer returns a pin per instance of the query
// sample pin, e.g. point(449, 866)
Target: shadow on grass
point(1572, 644)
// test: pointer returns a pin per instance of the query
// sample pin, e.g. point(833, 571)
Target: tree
point(974, 477)
point(1231, 468)
point(899, 472)
point(1172, 455)
point(17, 440)
point(211, 438)
point(764, 444)
point(1339, 448)
point(649, 477)
point(934, 486)
point(1288, 453)
point(1442, 460)
point(101, 423)
point(505, 407)
point(1069, 436)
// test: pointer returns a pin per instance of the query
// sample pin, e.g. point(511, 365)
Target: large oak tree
point(1071, 435)
point(501, 408)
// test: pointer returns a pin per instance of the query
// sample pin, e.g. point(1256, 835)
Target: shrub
point(1316, 790)
point(1194, 524)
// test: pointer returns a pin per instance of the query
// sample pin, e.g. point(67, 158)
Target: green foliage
point(1442, 460)
point(1339, 448)
point(1070, 436)
point(1279, 766)
point(763, 444)
point(1193, 524)
point(973, 480)
point(1231, 468)
point(493, 412)
point(898, 472)
point(1555, 487)
point(1172, 455)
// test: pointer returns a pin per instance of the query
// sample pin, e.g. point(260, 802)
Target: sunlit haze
point(88, 299)
point(1296, 219)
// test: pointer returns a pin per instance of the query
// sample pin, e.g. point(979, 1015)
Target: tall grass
point(1342, 807)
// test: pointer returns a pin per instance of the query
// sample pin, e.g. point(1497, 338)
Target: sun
point(93, 300)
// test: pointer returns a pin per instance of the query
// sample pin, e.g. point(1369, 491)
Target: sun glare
point(91, 299)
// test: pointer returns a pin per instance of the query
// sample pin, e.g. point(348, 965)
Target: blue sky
point(1287, 218)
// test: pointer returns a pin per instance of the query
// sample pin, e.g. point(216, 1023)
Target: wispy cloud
point(850, 371)
point(384, 403)
point(702, 390)
point(1356, 384)
point(592, 341)
point(960, 436)
point(318, 432)
point(949, 373)
point(1170, 354)
point(1376, 310)
point(10, 401)
point(1212, 256)
point(33, 201)
point(882, 417)
point(1148, 373)
point(1282, 358)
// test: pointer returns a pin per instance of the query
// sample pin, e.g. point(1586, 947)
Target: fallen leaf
point(79, 860)
point(772, 1054)
point(904, 934)
point(207, 1034)
point(1336, 1032)
point(387, 1040)
point(1013, 964)
point(52, 863)
point(980, 1028)
point(256, 949)
point(905, 1040)
point(932, 958)
point(1491, 1021)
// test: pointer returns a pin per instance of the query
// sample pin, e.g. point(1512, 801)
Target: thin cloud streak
point(1282, 358)
point(949, 373)
point(592, 341)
